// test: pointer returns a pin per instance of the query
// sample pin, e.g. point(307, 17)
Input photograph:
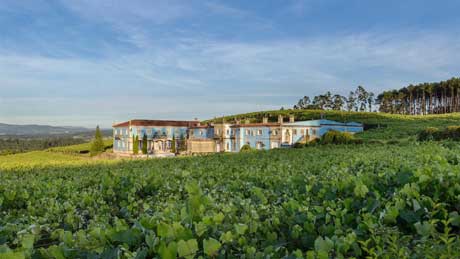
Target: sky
point(87, 63)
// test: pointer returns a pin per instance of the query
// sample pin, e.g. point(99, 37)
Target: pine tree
point(173, 145)
point(144, 144)
point(136, 145)
point(97, 146)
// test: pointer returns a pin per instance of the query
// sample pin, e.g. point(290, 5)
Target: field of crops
point(386, 201)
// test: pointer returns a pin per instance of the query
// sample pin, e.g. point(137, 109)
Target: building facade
point(222, 137)
point(159, 134)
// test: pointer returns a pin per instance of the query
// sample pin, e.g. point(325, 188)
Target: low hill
point(57, 156)
point(377, 125)
point(32, 129)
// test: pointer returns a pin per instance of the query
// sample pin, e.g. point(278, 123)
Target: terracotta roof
point(252, 125)
point(157, 123)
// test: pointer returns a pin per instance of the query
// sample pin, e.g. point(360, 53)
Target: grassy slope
point(382, 126)
point(81, 148)
point(59, 156)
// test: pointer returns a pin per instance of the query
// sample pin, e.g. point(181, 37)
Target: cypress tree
point(136, 145)
point(97, 146)
point(183, 143)
point(144, 144)
point(173, 145)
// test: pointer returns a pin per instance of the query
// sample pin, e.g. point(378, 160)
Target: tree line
point(359, 100)
point(425, 98)
point(15, 145)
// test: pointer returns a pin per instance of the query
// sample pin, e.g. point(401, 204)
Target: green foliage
point(331, 201)
point(144, 144)
point(15, 145)
point(432, 133)
point(211, 246)
point(97, 146)
point(298, 145)
point(136, 145)
point(80, 148)
point(246, 148)
point(183, 143)
point(173, 145)
point(187, 249)
point(336, 137)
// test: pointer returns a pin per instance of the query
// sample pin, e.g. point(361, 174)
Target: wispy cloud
point(133, 63)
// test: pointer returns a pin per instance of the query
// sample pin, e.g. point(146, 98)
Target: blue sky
point(69, 62)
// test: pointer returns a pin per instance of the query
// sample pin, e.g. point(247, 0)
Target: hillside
point(381, 126)
point(74, 155)
point(32, 130)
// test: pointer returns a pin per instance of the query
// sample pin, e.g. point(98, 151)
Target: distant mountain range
point(33, 130)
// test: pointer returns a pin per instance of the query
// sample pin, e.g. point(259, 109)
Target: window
point(259, 132)
point(294, 132)
point(275, 132)
point(313, 131)
point(228, 132)
point(228, 146)
point(218, 132)
point(259, 145)
point(248, 132)
point(201, 133)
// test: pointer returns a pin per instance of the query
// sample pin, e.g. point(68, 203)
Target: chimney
point(265, 120)
point(280, 119)
point(291, 118)
point(247, 121)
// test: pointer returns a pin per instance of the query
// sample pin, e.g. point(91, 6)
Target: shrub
point(313, 142)
point(246, 148)
point(298, 145)
point(336, 137)
point(430, 133)
point(452, 132)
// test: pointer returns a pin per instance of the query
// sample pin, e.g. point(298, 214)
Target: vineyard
point(384, 201)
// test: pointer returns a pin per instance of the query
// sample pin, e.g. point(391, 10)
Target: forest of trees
point(358, 100)
point(19, 145)
point(426, 98)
